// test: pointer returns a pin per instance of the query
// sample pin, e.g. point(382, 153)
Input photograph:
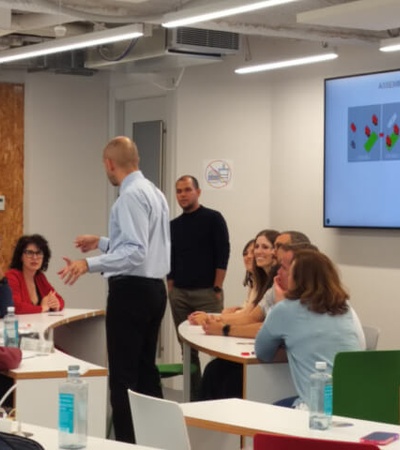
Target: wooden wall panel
point(11, 166)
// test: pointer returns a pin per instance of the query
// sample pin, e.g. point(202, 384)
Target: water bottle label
point(328, 399)
point(11, 333)
point(66, 413)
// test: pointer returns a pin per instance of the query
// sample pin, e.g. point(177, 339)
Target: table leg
point(186, 372)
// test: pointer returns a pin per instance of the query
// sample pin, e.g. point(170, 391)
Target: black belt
point(131, 277)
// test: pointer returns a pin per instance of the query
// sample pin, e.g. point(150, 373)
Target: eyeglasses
point(32, 253)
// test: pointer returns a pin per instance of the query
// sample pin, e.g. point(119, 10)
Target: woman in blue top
point(313, 322)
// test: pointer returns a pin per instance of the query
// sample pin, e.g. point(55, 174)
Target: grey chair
point(371, 336)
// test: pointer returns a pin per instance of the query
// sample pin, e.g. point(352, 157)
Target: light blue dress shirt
point(139, 242)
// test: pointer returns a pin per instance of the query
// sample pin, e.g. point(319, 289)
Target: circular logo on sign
point(218, 174)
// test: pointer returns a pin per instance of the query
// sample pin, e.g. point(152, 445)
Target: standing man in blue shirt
point(135, 259)
point(199, 259)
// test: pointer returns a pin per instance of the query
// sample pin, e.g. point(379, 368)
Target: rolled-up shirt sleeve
point(130, 217)
point(104, 243)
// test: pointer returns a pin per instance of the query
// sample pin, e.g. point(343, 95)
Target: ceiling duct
point(65, 63)
point(187, 39)
point(166, 49)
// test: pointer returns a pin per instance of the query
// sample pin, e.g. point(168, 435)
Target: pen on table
point(33, 356)
point(245, 343)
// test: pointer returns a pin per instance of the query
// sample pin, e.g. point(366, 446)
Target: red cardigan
point(10, 357)
point(22, 301)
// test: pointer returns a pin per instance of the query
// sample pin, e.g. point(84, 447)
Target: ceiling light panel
point(390, 45)
point(73, 43)
point(286, 63)
point(216, 11)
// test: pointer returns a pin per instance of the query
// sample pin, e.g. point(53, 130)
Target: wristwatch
point(226, 329)
point(217, 289)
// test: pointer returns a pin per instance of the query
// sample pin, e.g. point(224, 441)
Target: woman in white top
point(248, 261)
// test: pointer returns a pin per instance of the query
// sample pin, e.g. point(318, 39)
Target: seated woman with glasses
point(31, 291)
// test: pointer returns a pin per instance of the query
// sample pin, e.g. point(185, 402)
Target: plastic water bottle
point(320, 398)
point(11, 338)
point(72, 412)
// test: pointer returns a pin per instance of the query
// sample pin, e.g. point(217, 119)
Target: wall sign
point(218, 174)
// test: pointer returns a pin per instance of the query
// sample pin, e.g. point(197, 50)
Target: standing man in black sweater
point(199, 258)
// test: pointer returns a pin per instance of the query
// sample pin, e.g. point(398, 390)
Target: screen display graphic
point(373, 132)
point(362, 151)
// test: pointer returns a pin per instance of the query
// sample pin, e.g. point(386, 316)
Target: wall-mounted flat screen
point(362, 151)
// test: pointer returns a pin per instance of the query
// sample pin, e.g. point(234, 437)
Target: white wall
point(66, 128)
point(221, 116)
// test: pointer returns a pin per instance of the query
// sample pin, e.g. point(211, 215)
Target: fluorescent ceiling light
point(390, 45)
point(287, 63)
point(225, 8)
point(73, 43)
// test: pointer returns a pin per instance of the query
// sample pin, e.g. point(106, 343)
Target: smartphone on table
point(380, 438)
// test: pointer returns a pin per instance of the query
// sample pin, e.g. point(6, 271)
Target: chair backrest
point(371, 336)
point(158, 423)
point(281, 442)
point(366, 385)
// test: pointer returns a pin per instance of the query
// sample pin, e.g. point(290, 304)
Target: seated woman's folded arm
point(20, 295)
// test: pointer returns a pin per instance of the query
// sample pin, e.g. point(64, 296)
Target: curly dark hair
point(23, 242)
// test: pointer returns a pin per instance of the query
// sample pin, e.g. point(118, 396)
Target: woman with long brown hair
point(248, 261)
point(314, 321)
point(222, 378)
point(263, 272)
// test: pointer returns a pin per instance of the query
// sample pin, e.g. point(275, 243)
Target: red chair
point(281, 442)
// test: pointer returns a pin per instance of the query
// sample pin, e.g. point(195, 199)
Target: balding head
point(123, 152)
point(120, 157)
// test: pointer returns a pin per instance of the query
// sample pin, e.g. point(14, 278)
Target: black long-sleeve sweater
point(200, 245)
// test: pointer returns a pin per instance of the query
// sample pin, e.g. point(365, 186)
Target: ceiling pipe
point(47, 7)
point(35, 21)
point(309, 34)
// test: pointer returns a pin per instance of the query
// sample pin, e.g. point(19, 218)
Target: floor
point(173, 394)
